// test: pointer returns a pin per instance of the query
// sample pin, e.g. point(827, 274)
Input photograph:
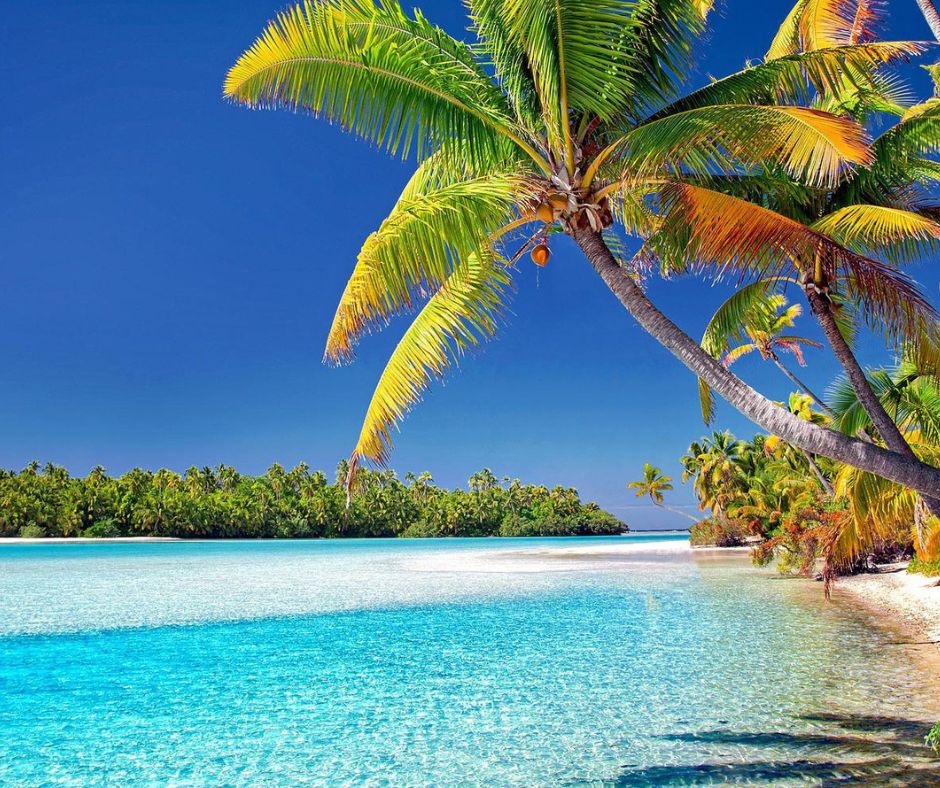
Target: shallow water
point(525, 662)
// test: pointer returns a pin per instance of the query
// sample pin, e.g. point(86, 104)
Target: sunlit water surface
point(624, 661)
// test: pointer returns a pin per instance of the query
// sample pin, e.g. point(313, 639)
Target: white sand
point(910, 598)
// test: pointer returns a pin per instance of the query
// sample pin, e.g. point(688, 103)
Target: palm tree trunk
point(817, 472)
point(902, 469)
point(802, 386)
point(678, 511)
point(886, 426)
point(929, 10)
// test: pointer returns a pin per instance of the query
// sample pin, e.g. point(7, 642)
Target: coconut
point(544, 213)
point(559, 202)
point(540, 254)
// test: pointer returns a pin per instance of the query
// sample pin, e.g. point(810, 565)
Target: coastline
point(911, 599)
point(70, 539)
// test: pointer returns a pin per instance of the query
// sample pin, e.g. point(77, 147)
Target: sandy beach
point(910, 598)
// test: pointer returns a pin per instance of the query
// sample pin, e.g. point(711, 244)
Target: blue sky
point(170, 265)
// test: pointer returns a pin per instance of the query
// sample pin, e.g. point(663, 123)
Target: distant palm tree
point(653, 485)
point(756, 320)
point(569, 123)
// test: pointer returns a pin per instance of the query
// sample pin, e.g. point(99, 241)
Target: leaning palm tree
point(563, 116)
point(652, 486)
point(881, 209)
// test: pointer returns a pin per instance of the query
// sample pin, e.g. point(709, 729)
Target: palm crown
point(562, 115)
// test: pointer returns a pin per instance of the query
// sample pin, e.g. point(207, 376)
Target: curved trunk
point(802, 386)
point(866, 396)
point(678, 511)
point(902, 469)
point(932, 15)
point(886, 426)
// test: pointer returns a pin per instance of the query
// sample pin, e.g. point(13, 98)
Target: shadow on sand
point(840, 750)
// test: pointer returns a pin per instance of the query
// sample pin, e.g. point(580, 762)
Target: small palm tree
point(653, 485)
point(756, 319)
point(564, 116)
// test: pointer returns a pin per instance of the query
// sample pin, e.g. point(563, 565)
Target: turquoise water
point(496, 662)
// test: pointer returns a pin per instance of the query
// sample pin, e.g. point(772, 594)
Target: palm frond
point(490, 21)
point(726, 234)
point(898, 235)
point(415, 250)
point(573, 49)
point(658, 46)
point(813, 146)
point(819, 24)
point(397, 81)
point(796, 78)
point(462, 312)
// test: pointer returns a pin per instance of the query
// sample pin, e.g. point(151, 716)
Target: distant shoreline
point(141, 539)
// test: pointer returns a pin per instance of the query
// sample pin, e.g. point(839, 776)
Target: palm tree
point(756, 314)
point(571, 123)
point(879, 209)
point(653, 485)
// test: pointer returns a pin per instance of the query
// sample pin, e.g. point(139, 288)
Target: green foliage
point(281, 504)
point(103, 529)
point(718, 532)
point(928, 568)
point(933, 738)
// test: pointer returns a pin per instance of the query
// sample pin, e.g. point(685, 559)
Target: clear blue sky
point(170, 265)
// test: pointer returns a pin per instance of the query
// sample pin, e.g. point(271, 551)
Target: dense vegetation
point(222, 503)
point(811, 513)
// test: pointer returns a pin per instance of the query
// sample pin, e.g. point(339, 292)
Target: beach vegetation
point(299, 503)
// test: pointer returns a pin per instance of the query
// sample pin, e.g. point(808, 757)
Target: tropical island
point(220, 503)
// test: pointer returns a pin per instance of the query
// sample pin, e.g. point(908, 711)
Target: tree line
point(46, 501)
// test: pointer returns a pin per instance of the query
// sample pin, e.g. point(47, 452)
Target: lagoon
point(628, 660)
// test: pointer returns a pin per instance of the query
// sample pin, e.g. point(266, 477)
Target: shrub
point(422, 530)
point(32, 531)
point(718, 532)
point(933, 738)
point(103, 529)
point(931, 569)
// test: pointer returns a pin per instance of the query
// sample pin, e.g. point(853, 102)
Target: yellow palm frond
point(819, 24)
point(899, 235)
point(397, 81)
point(415, 250)
point(813, 146)
point(464, 310)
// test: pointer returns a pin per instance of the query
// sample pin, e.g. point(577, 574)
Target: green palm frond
point(463, 311)
point(574, 52)
point(917, 133)
point(658, 48)
point(796, 78)
point(505, 53)
point(416, 249)
point(897, 235)
point(397, 81)
point(812, 146)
